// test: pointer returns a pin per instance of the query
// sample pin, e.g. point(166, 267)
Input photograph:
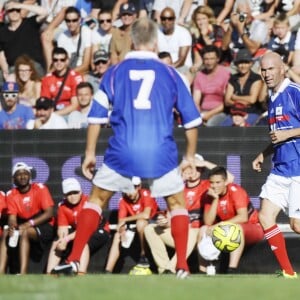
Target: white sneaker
point(182, 274)
point(66, 269)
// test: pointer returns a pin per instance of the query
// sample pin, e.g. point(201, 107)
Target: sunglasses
point(59, 59)
point(13, 10)
point(101, 62)
point(72, 20)
point(105, 21)
point(10, 95)
point(167, 18)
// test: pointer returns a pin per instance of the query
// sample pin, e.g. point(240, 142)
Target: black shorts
point(99, 238)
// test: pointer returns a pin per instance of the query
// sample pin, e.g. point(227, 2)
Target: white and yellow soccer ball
point(227, 236)
point(138, 270)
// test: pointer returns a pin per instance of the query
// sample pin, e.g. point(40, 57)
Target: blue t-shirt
point(283, 114)
point(143, 93)
point(17, 119)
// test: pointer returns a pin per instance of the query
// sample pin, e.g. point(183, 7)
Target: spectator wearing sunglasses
point(102, 36)
point(121, 42)
point(66, 100)
point(21, 35)
point(101, 62)
point(14, 115)
point(77, 40)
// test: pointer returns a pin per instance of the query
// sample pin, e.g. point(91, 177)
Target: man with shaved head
point(282, 187)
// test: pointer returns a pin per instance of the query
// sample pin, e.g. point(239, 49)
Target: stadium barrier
point(57, 154)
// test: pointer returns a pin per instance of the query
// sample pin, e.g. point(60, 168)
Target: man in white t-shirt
point(70, 39)
point(46, 118)
point(160, 5)
point(174, 39)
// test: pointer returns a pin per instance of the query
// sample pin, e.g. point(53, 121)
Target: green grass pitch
point(153, 287)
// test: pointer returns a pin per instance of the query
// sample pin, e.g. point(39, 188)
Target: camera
point(242, 17)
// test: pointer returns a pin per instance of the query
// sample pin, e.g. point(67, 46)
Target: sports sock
point(180, 231)
point(88, 221)
point(276, 241)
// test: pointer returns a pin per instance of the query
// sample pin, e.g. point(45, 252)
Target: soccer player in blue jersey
point(143, 93)
point(282, 187)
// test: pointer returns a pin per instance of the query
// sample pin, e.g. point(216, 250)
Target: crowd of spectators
point(48, 47)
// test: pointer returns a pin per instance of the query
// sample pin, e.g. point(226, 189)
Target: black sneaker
point(143, 262)
point(69, 269)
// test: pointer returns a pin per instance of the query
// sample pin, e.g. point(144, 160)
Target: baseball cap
point(71, 185)
point(44, 103)
point(136, 180)
point(243, 55)
point(238, 109)
point(21, 166)
point(100, 55)
point(127, 8)
point(10, 87)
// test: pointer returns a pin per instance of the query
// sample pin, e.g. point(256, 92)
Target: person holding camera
point(245, 32)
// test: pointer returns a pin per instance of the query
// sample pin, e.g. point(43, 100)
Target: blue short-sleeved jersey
point(284, 113)
point(143, 93)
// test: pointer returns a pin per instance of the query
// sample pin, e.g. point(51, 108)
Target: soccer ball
point(138, 270)
point(227, 236)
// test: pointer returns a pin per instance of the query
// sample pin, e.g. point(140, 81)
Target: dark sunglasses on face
point(72, 20)
point(105, 21)
point(13, 10)
point(59, 59)
point(100, 62)
point(167, 18)
point(10, 95)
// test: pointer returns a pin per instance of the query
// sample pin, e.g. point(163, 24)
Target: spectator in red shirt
point(67, 213)
point(225, 201)
point(30, 211)
point(66, 101)
point(138, 207)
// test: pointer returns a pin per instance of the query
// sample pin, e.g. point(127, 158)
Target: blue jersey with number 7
point(143, 93)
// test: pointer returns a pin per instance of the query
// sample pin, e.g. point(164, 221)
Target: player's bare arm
point(89, 163)
point(258, 161)
point(191, 145)
point(279, 136)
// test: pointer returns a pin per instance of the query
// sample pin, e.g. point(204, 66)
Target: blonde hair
point(204, 10)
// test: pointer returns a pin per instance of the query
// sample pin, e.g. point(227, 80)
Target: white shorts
point(283, 192)
point(169, 184)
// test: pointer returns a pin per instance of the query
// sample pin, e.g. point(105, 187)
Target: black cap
point(44, 103)
point(243, 55)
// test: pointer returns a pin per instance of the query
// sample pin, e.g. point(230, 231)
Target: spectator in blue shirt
point(14, 115)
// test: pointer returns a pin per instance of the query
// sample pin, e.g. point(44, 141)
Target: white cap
point(136, 180)
point(21, 166)
point(198, 159)
point(71, 185)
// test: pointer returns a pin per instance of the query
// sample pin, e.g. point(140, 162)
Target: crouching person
point(30, 219)
point(68, 211)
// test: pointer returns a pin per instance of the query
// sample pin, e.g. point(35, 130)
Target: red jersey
point(235, 198)
point(3, 205)
point(27, 205)
point(51, 84)
point(192, 198)
point(127, 208)
point(67, 214)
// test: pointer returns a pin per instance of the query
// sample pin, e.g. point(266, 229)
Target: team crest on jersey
point(278, 111)
point(190, 197)
point(223, 205)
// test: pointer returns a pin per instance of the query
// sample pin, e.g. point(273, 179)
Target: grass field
point(155, 287)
